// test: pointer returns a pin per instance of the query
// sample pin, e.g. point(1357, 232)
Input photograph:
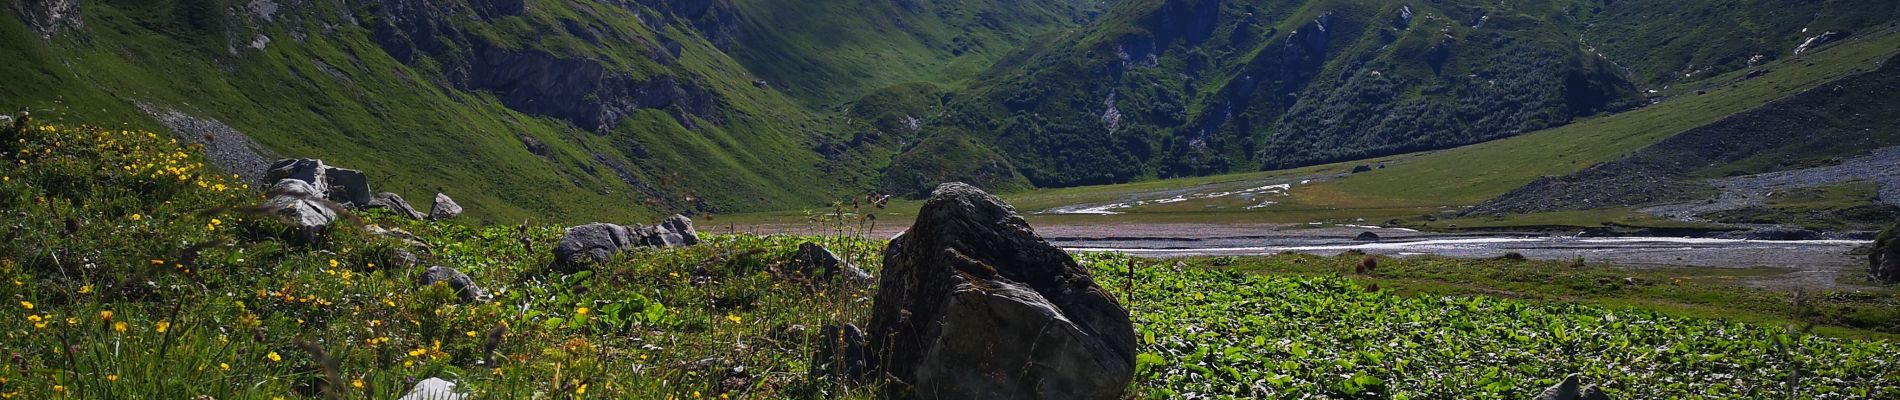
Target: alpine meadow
point(949, 199)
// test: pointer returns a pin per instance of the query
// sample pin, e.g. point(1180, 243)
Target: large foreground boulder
point(1884, 262)
point(598, 242)
point(973, 304)
point(433, 389)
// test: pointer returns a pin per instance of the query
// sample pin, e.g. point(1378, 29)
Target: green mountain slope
point(1159, 89)
point(566, 110)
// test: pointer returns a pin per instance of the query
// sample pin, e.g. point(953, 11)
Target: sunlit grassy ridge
point(130, 272)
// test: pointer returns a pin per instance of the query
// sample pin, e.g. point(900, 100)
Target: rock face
point(465, 288)
point(433, 389)
point(301, 205)
point(598, 242)
point(973, 304)
point(396, 204)
point(1367, 237)
point(1571, 389)
point(1884, 263)
point(822, 266)
point(444, 208)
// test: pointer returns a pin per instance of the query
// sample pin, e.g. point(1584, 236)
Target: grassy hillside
point(1414, 184)
point(1158, 89)
point(158, 284)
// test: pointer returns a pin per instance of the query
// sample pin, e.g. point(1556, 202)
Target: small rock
point(1883, 262)
point(433, 389)
point(395, 204)
point(464, 287)
point(445, 208)
point(1367, 237)
point(1513, 256)
point(598, 242)
point(840, 353)
point(1571, 389)
point(816, 262)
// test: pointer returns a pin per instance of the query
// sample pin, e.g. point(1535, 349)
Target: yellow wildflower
point(224, 367)
point(274, 357)
point(581, 312)
point(118, 327)
point(112, 377)
point(105, 315)
point(158, 262)
point(581, 390)
point(734, 318)
point(87, 289)
point(27, 304)
point(333, 263)
point(471, 333)
point(358, 383)
point(136, 217)
point(163, 325)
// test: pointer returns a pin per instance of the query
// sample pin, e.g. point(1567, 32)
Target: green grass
point(132, 271)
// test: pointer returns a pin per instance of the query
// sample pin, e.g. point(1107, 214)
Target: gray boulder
point(598, 242)
point(1367, 237)
point(308, 170)
point(465, 287)
point(444, 208)
point(973, 304)
point(433, 389)
point(820, 265)
point(347, 186)
point(1883, 262)
point(1571, 389)
point(301, 205)
point(395, 204)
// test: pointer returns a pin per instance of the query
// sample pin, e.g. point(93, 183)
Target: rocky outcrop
point(598, 242)
point(344, 186)
point(302, 206)
point(464, 287)
point(820, 266)
point(1571, 389)
point(973, 304)
point(47, 17)
point(444, 208)
point(1883, 263)
point(395, 204)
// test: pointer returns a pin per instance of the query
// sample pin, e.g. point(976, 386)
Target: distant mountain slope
point(1158, 89)
point(570, 110)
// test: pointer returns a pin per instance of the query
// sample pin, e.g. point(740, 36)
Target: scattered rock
point(302, 206)
point(973, 304)
point(396, 204)
point(1367, 237)
point(1884, 261)
point(1571, 389)
point(1513, 256)
point(818, 263)
point(433, 389)
point(598, 242)
point(464, 287)
point(444, 208)
point(840, 353)
point(1367, 264)
point(1361, 168)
